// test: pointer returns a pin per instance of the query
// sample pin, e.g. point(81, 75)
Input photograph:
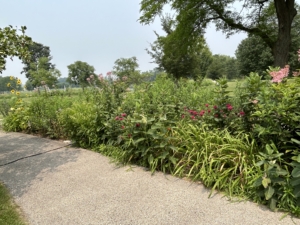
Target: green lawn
point(10, 214)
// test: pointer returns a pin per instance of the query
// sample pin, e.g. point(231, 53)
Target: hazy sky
point(94, 31)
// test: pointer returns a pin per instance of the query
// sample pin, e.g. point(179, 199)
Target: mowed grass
point(10, 214)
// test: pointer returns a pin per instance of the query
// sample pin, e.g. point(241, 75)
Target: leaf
point(269, 149)
point(257, 182)
point(296, 141)
point(139, 140)
point(296, 172)
point(295, 181)
point(297, 191)
point(173, 160)
point(260, 163)
point(272, 204)
point(265, 182)
point(150, 159)
point(269, 192)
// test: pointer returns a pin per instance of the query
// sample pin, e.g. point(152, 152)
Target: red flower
point(123, 114)
point(208, 111)
point(182, 116)
point(117, 118)
point(242, 113)
point(229, 107)
point(137, 125)
point(206, 105)
point(120, 118)
point(215, 107)
point(193, 117)
point(122, 127)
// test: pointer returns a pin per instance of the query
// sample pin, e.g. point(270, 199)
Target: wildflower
point(206, 105)
point(208, 111)
point(296, 74)
point(169, 128)
point(137, 125)
point(123, 114)
point(182, 116)
point(8, 85)
point(19, 81)
point(193, 117)
point(215, 107)
point(277, 76)
point(12, 91)
point(202, 112)
point(117, 118)
point(108, 73)
point(216, 115)
point(11, 77)
point(242, 113)
point(229, 107)
point(17, 93)
point(254, 101)
point(12, 109)
point(120, 118)
point(122, 127)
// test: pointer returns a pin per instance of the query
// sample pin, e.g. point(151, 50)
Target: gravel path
point(76, 186)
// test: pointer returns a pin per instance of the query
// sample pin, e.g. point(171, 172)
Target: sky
point(94, 31)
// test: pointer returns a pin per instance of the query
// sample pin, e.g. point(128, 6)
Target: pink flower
point(117, 118)
point(120, 118)
point(108, 73)
point(277, 76)
point(229, 107)
point(215, 107)
point(193, 117)
point(123, 114)
point(122, 127)
point(208, 111)
point(242, 113)
point(206, 105)
point(182, 116)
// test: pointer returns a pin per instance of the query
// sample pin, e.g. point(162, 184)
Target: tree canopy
point(193, 16)
point(166, 52)
point(37, 51)
point(40, 74)
point(79, 72)
point(254, 55)
point(13, 44)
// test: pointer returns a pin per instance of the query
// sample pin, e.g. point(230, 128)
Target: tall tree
point(168, 55)
point(37, 51)
point(193, 16)
point(222, 66)
point(79, 72)
point(125, 67)
point(13, 44)
point(254, 55)
point(40, 74)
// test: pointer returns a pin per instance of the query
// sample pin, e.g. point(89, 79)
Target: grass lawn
point(10, 213)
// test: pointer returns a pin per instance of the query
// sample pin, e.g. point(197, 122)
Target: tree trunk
point(286, 12)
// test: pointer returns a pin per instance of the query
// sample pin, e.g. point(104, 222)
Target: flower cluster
point(277, 76)
point(121, 117)
point(215, 112)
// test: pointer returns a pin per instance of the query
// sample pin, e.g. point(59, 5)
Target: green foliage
point(13, 44)
point(9, 211)
point(37, 51)
point(193, 17)
point(8, 83)
point(79, 72)
point(222, 66)
point(167, 52)
point(40, 74)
